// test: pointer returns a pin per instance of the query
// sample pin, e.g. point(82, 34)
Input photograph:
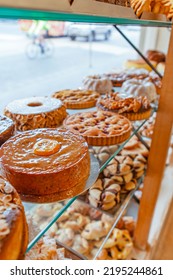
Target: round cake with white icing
point(36, 112)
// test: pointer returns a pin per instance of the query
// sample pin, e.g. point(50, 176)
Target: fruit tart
point(100, 128)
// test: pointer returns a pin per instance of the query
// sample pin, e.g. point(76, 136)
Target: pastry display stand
point(157, 191)
point(118, 214)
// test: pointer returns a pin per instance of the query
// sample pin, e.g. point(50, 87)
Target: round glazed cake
point(101, 84)
point(36, 112)
point(6, 129)
point(13, 227)
point(135, 87)
point(77, 99)
point(99, 128)
point(46, 163)
point(132, 108)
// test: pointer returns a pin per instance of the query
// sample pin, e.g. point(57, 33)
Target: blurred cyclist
point(37, 31)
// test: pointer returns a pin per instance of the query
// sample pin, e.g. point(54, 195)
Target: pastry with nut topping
point(6, 129)
point(132, 108)
point(36, 112)
point(46, 249)
point(118, 246)
point(77, 99)
point(104, 194)
point(13, 227)
point(46, 165)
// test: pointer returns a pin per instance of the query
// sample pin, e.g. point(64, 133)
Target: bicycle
point(39, 47)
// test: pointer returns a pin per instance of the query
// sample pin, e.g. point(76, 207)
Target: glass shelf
point(80, 12)
point(70, 202)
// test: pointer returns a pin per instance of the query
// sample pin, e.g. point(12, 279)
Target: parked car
point(90, 32)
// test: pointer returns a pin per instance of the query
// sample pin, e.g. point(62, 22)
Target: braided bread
point(155, 6)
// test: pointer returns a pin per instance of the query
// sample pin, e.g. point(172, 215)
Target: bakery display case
point(153, 204)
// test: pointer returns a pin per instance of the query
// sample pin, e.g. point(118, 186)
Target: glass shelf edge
point(16, 13)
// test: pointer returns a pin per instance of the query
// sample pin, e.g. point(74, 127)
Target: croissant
point(170, 13)
point(140, 6)
point(160, 6)
point(155, 6)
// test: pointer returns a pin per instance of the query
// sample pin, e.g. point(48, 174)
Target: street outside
point(71, 61)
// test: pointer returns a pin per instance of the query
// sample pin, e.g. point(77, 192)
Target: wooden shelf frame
point(158, 154)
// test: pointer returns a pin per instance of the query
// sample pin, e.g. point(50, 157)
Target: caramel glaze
point(6, 128)
point(32, 174)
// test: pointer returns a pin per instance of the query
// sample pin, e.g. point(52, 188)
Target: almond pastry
point(13, 226)
point(132, 143)
point(118, 177)
point(36, 112)
point(76, 222)
point(95, 230)
point(62, 164)
point(65, 235)
point(80, 244)
point(133, 108)
point(46, 249)
point(140, 149)
point(6, 129)
point(130, 185)
point(77, 99)
point(103, 153)
point(118, 246)
point(127, 223)
point(119, 165)
point(148, 127)
point(100, 128)
point(87, 236)
point(104, 194)
point(77, 207)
